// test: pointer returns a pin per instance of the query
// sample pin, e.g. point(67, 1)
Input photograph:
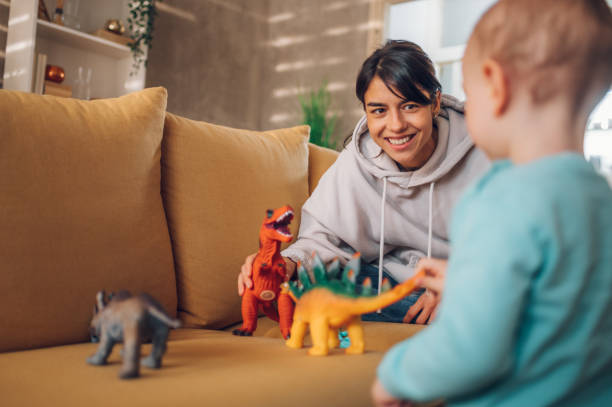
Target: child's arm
point(471, 343)
point(435, 270)
point(435, 274)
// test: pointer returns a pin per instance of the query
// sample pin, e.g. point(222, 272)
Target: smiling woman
point(379, 198)
point(401, 96)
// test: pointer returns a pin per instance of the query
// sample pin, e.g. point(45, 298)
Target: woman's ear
point(436, 104)
point(497, 84)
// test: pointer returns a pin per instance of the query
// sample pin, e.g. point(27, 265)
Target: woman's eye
point(410, 106)
point(380, 110)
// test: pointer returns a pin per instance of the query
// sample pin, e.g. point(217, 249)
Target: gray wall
point(208, 54)
point(309, 42)
point(241, 63)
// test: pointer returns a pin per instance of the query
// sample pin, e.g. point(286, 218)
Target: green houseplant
point(140, 24)
point(315, 105)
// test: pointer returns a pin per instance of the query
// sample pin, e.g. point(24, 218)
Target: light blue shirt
point(526, 316)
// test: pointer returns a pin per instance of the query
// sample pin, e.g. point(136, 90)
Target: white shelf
point(111, 63)
point(78, 39)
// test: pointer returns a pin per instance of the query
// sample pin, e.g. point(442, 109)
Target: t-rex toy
point(131, 320)
point(331, 303)
point(269, 273)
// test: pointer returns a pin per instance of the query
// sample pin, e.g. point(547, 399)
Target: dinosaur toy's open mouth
point(282, 223)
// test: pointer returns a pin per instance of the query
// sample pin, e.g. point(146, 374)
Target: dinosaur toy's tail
point(344, 283)
point(364, 305)
point(161, 316)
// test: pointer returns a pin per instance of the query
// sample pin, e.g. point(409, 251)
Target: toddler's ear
point(497, 84)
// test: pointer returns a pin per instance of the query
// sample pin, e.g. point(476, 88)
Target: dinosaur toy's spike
point(354, 264)
point(303, 276)
point(366, 287)
point(348, 279)
point(295, 289)
point(349, 276)
point(333, 269)
point(386, 285)
point(318, 269)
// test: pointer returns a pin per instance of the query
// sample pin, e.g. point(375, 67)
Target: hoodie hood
point(453, 144)
point(365, 203)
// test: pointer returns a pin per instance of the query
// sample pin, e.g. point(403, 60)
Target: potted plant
point(315, 106)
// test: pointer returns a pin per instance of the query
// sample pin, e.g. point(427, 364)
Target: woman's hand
point(244, 278)
point(433, 282)
point(382, 398)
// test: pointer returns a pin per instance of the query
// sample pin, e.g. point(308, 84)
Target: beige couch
point(118, 194)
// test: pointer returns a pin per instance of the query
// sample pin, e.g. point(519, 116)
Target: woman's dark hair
point(403, 66)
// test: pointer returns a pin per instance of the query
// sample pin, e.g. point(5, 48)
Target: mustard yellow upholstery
point(319, 160)
point(217, 184)
point(201, 368)
point(85, 204)
point(378, 336)
point(80, 211)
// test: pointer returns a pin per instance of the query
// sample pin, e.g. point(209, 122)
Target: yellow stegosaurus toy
point(334, 302)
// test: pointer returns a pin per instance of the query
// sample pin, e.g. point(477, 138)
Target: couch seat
point(203, 368)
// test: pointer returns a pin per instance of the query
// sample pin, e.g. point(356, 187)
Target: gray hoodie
point(345, 213)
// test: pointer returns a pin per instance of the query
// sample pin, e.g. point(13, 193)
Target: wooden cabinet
point(112, 72)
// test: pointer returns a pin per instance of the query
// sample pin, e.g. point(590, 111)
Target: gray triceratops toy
point(131, 320)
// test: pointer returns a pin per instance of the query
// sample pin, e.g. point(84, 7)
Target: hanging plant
point(140, 24)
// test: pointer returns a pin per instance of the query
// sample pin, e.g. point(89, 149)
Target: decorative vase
point(54, 73)
point(115, 26)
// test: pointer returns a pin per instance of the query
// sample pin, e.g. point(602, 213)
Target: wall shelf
point(112, 65)
point(84, 41)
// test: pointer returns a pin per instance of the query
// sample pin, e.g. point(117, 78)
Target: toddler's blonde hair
point(551, 47)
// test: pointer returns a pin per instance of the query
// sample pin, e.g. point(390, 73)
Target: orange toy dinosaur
point(269, 274)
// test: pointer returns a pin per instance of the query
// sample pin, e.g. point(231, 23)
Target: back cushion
point(319, 161)
point(80, 211)
point(217, 183)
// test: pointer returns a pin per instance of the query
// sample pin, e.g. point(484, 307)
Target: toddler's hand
point(435, 274)
point(382, 398)
point(433, 282)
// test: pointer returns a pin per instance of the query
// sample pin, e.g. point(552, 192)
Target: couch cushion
point(201, 367)
point(319, 160)
point(81, 211)
point(217, 183)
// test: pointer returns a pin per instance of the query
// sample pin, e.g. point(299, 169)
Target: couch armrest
point(319, 160)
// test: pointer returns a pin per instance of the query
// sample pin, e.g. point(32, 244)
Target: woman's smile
point(399, 143)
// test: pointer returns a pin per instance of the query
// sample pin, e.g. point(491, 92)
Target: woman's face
point(403, 129)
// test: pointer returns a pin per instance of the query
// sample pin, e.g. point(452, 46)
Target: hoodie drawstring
point(382, 236)
point(382, 230)
point(431, 188)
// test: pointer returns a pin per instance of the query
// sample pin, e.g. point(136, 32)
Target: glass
point(82, 84)
point(71, 14)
